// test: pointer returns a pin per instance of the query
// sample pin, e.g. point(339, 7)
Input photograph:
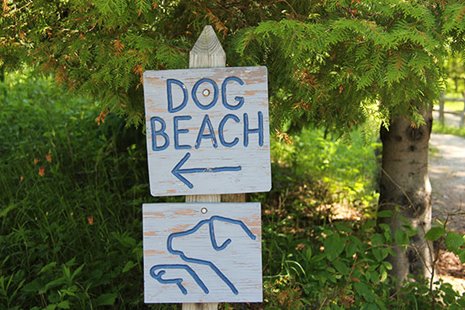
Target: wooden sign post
point(207, 134)
point(207, 52)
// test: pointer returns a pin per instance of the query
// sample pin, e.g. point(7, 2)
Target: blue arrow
point(177, 171)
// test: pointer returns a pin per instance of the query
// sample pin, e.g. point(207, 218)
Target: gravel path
point(447, 174)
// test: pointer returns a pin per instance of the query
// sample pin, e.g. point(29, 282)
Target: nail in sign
point(207, 131)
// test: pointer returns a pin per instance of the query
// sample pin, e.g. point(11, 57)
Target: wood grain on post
point(207, 53)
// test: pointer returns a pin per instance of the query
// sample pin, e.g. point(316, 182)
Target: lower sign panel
point(202, 252)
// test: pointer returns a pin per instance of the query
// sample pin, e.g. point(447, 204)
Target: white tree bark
point(405, 190)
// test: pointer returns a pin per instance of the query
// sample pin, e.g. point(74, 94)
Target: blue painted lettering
point(239, 99)
point(171, 108)
point(221, 130)
point(210, 135)
point(178, 131)
point(258, 130)
point(161, 132)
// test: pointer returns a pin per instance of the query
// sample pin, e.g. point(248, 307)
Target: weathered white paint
point(239, 261)
point(247, 166)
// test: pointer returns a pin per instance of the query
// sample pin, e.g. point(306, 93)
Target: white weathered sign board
point(199, 252)
point(207, 131)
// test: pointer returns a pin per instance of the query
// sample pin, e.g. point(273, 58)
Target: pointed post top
point(207, 51)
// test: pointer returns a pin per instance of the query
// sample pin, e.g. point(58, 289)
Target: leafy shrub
point(347, 164)
point(311, 260)
point(71, 195)
point(456, 131)
point(70, 216)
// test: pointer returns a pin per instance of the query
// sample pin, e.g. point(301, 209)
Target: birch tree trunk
point(406, 191)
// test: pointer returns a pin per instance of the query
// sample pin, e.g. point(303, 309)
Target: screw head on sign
point(205, 92)
point(204, 210)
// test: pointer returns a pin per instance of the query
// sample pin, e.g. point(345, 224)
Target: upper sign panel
point(207, 131)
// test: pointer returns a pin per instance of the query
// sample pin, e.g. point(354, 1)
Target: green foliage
point(323, 264)
point(102, 48)
point(71, 234)
point(346, 55)
point(76, 218)
point(348, 164)
point(455, 83)
point(453, 241)
point(312, 261)
point(435, 233)
point(438, 128)
point(327, 60)
point(456, 107)
point(453, 19)
point(70, 208)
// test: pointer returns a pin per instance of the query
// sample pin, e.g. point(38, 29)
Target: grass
point(71, 196)
point(444, 129)
point(452, 106)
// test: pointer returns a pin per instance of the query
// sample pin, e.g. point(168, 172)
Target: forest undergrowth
point(73, 179)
